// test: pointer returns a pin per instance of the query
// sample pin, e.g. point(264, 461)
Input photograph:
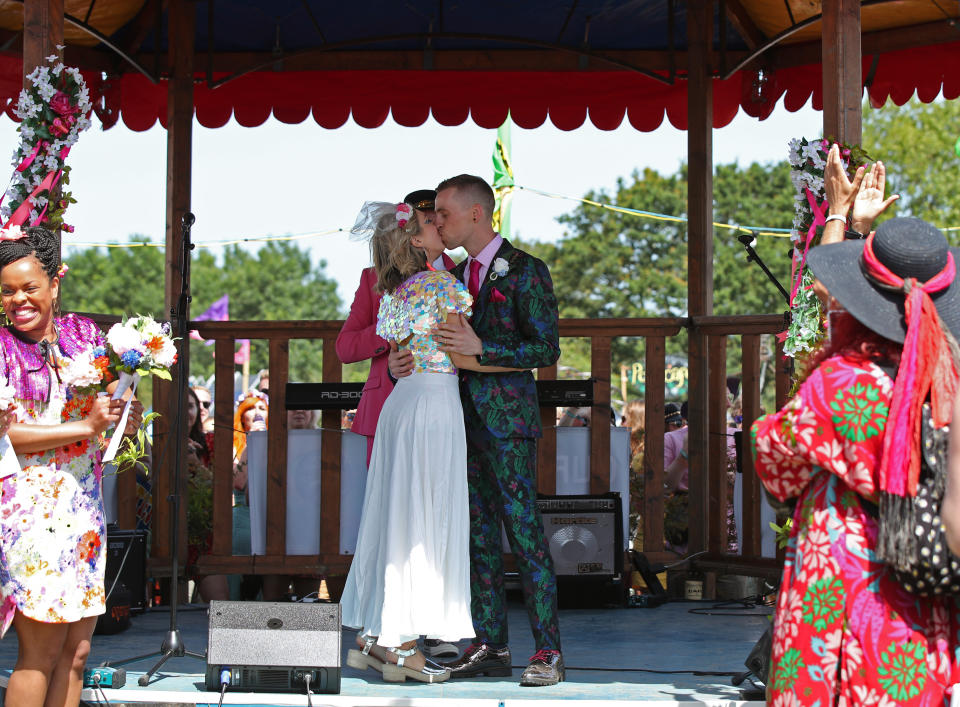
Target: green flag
point(503, 182)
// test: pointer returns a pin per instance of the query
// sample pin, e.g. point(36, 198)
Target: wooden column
point(42, 32)
point(330, 456)
point(700, 252)
point(842, 71)
point(547, 445)
point(179, 146)
point(653, 429)
point(600, 416)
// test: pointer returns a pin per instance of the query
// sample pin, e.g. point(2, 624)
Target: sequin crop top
point(415, 308)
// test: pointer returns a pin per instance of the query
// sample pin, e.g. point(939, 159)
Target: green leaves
point(134, 449)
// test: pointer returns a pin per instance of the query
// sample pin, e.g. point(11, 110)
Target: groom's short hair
point(475, 188)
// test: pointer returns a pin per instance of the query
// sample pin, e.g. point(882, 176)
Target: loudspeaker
point(584, 533)
point(273, 646)
point(127, 564)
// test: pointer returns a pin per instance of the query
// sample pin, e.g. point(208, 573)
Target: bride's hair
point(395, 258)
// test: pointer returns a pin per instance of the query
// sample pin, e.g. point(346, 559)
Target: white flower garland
point(53, 112)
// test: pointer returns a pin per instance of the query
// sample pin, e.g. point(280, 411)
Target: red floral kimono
point(846, 633)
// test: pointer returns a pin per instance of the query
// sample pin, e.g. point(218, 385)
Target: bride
point(411, 572)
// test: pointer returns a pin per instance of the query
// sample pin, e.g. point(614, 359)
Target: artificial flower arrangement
point(53, 111)
point(136, 347)
point(807, 160)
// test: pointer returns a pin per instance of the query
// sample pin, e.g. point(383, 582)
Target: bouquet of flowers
point(807, 160)
point(140, 345)
point(136, 347)
point(53, 112)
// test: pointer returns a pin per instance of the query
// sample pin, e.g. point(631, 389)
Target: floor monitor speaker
point(273, 646)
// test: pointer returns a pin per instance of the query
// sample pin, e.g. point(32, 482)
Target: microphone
point(187, 219)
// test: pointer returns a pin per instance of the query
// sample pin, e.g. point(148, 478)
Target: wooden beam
point(744, 24)
point(600, 416)
point(717, 468)
point(277, 449)
point(842, 71)
point(547, 444)
point(699, 254)
point(42, 32)
point(879, 42)
point(653, 429)
point(223, 446)
point(139, 28)
point(751, 537)
point(330, 455)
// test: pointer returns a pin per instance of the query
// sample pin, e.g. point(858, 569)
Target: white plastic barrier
point(303, 490)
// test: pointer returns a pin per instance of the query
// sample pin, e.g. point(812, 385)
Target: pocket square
point(497, 296)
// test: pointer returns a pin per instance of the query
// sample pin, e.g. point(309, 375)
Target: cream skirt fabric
point(411, 572)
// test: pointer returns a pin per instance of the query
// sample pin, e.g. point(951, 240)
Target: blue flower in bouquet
point(131, 358)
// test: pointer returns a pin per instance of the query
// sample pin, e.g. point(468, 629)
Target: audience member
point(205, 400)
point(250, 416)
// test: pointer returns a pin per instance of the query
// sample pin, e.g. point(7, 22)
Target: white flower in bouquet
point(80, 372)
point(123, 338)
point(7, 395)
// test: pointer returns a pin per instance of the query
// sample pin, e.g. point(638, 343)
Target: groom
point(514, 324)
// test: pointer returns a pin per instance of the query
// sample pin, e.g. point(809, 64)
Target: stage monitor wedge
point(272, 646)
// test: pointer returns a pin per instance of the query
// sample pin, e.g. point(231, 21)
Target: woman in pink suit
point(358, 340)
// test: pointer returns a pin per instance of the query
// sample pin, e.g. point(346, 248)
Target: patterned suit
point(515, 315)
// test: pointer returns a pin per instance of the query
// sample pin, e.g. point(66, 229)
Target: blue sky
point(281, 179)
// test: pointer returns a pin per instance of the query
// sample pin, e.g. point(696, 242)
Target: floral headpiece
point(404, 213)
point(375, 214)
point(12, 233)
point(62, 272)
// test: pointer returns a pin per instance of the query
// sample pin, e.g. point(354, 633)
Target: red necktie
point(473, 284)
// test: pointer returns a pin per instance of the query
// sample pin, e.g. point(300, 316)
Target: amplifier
point(584, 534)
point(127, 561)
point(323, 396)
point(273, 646)
point(577, 393)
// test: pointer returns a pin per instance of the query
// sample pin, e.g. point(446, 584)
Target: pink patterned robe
point(846, 632)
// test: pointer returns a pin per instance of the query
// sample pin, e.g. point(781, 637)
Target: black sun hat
point(421, 199)
point(909, 248)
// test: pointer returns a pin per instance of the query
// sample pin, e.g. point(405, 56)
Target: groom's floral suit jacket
point(515, 315)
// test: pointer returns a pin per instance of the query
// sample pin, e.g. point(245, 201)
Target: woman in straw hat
point(846, 449)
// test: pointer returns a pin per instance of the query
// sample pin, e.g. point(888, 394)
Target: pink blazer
point(358, 341)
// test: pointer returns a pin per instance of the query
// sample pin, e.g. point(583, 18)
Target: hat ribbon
point(926, 366)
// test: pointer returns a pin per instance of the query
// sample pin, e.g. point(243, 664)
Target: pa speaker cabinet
point(127, 562)
point(273, 646)
point(584, 534)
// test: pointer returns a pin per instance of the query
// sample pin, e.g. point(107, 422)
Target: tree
point(277, 282)
point(615, 264)
point(916, 143)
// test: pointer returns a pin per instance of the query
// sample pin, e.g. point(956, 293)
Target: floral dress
point(52, 529)
point(846, 632)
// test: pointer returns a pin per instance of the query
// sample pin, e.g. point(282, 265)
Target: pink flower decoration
point(404, 212)
point(12, 233)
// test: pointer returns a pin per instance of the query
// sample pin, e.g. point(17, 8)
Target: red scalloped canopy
point(566, 99)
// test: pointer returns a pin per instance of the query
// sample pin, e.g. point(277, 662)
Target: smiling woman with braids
point(52, 533)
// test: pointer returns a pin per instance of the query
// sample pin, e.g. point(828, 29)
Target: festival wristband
point(835, 217)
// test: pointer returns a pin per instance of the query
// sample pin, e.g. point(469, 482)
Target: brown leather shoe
point(545, 668)
point(481, 659)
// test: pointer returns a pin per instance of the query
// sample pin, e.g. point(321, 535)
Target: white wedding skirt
point(411, 572)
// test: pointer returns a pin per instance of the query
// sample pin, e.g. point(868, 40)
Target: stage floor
point(660, 656)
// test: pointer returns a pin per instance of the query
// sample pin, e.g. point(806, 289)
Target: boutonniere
point(496, 295)
point(500, 268)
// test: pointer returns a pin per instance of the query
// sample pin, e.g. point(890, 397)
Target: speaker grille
point(266, 678)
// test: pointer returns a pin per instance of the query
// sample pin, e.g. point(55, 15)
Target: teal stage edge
point(663, 656)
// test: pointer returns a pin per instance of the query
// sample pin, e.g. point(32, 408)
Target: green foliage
point(277, 282)
point(612, 264)
point(133, 449)
point(916, 143)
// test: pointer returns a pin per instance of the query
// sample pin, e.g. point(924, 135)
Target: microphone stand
point(747, 239)
point(173, 646)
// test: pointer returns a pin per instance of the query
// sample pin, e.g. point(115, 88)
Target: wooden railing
point(601, 333)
